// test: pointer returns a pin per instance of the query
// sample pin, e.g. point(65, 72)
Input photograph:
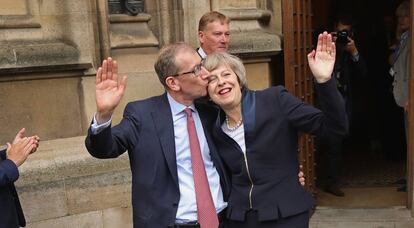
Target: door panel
point(410, 142)
point(297, 32)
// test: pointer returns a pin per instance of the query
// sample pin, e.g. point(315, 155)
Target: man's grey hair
point(166, 64)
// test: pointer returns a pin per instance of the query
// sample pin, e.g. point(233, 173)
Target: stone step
point(393, 217)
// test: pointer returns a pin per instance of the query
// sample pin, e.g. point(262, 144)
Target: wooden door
point(297, 33)
point(410, 142)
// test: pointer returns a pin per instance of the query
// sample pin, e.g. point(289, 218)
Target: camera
point(342, 37)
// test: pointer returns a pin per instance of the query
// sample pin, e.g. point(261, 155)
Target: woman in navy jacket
point(257, 137)
point(11, 213)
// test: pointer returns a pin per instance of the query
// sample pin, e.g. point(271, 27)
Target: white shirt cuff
point(355, 58)
point(97, 128)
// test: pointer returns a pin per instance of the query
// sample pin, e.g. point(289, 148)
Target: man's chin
point(222, 49)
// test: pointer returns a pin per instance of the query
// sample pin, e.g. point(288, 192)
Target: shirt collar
point(201, 53)
point(404, 36)
point(177, 107)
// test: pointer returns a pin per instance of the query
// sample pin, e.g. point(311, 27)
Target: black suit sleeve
point(360, 67)
point(112, 142)
point(8, 170)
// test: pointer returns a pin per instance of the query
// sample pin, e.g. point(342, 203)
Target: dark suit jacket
point(147, 133)
point(272, 119)
point(348, 73)
point(11, 213)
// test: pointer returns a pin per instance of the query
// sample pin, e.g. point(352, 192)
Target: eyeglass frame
point(196, 71)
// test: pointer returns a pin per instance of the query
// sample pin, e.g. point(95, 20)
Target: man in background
point(213, 33)
point(400, 71)
point(349, 64)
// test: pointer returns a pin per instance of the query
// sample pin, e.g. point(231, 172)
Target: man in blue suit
point(11, 213)
point(154, 132)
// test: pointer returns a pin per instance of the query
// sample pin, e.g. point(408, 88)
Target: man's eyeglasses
point(196, 71)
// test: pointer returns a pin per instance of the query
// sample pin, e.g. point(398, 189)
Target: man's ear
point(172, 83)
point(200, 37)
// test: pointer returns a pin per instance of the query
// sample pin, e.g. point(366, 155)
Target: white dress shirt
point(201, 53)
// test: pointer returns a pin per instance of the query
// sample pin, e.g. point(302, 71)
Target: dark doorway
point(373, 160)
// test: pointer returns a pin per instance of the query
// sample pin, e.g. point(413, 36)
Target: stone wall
point(45, 47)
point(62, 185)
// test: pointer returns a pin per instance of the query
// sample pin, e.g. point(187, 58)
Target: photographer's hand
point(351, 47)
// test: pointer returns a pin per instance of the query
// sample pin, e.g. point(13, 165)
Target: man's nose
point(223, 38)
point(204, 73)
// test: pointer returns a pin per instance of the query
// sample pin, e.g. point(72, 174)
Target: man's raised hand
point(109, 90)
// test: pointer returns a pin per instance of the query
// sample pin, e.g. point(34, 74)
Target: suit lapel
point(249, 114)
point(2, 155)
point(163, 123)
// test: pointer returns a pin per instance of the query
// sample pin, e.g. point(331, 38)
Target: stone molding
point(248, 35)
point(18, 22)
point(38, 56)
point(252, 31)
point(44, 38)
point(131, 31)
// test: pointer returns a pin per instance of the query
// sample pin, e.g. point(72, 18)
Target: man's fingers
point(35, 143)
point(37, 138)
point(115, 70)
point(104, 70)
point(109, 71)
point(319, 44)
point(21, 132)
point(324, 41)
point(333, 49)
point(98, 78)
point(22, 143)
point(311, 55)
point(28, 147)
point(19, 135)
point(329, 43)
point(302, 181)
point(122, 85)
point(34, 149)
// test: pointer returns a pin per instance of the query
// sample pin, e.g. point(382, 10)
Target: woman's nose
point(220, 80)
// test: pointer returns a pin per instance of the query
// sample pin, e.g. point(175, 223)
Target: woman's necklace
point(235, 127)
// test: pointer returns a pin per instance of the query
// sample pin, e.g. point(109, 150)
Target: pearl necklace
point(235, 127)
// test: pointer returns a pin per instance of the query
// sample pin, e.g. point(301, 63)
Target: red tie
point(207, 216)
